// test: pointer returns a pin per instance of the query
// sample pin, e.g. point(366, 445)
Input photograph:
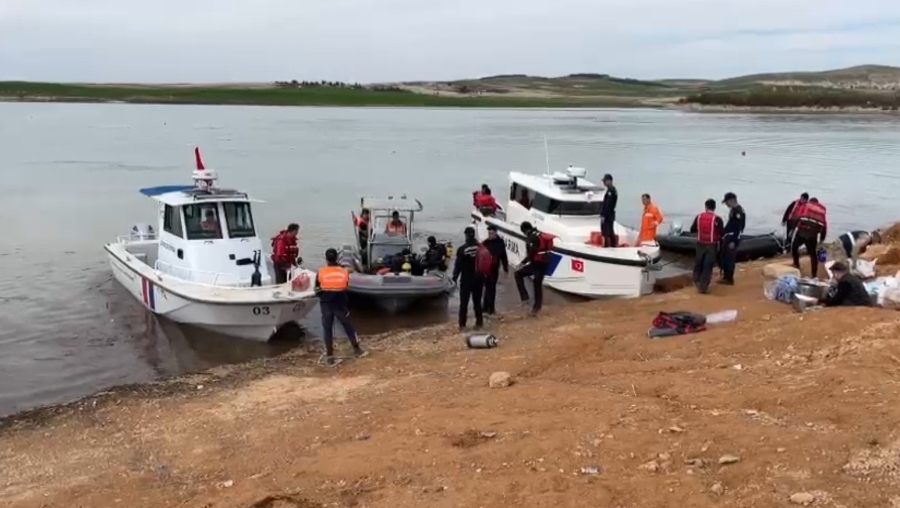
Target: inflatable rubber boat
point(384, 269)
point(760, 246)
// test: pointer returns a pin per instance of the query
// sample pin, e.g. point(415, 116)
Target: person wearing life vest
point(285, 252)
point(538, 247)
point(477, 195)
point(485, 203)
point(396, 226)
point(470, 281)
point(650, 221)
point(708, 227)
point(850, 245)
point(811, 228)
point(497, 248)
point(332, 282)
point(791, 213)
point(731, 237)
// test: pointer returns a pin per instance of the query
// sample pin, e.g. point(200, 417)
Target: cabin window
point(522, 195)
point(579, 208)
point(172, 221)
point(239, 220)
point(542, 203)
point(202, 221)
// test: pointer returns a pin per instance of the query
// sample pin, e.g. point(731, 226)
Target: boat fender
point(481, 341)
point(300, 283)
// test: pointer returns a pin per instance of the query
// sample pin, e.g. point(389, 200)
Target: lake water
point(69, 175)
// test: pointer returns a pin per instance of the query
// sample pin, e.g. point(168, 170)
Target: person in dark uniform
point(332, 281)
point(538, 250)
point(789, 219)
point(608, 212)
point(436, 255)
point(811, 228)
point(497, 247)
point(708, 227)
point(470, 282)
point(850, 291)
point(731, 237)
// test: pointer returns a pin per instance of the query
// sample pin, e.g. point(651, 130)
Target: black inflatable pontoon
point(751, 246)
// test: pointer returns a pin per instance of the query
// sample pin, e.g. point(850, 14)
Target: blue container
point(821, 255)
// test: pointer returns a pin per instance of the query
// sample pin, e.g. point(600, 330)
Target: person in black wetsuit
point(537, 257)
point(731, 237)
point(436, 255)
point(789, 219)
point(851, 292)
point(608, 212)
point(470, 282)
point(497, 247)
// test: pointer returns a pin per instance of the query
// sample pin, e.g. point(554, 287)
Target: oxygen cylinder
point(481, 341)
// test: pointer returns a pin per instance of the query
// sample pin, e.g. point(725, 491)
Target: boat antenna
point(546, 154)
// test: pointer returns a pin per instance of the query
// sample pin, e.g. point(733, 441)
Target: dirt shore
point(773, 409)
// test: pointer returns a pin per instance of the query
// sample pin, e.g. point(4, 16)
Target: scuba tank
point(481, 341)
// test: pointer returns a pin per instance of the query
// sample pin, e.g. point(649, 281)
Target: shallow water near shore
point(70, 174)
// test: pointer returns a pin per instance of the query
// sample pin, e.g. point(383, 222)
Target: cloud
point(387, 40)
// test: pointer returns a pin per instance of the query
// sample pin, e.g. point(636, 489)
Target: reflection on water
point(67, 330)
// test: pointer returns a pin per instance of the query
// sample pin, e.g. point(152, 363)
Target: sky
point(215, 41)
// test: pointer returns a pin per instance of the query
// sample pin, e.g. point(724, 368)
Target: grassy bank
point(796, 97)
point(283, 96)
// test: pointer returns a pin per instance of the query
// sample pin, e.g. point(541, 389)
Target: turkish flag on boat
point(578, 265)
point(200, 166)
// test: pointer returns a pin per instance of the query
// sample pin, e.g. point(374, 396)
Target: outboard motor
point(675, 229)
point(142, 232)
point(256, 278)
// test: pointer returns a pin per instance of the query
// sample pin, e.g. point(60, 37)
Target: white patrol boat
point(205, 265)
point(567, 206)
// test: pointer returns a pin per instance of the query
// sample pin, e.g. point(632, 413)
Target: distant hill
point(864, 77)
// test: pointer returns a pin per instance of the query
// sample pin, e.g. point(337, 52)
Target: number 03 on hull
point(205, 265)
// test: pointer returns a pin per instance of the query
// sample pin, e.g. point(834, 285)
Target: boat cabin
point(390, 227)
point(561, 194)
point(206, 234)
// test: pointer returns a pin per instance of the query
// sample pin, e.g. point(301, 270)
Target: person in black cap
point(731, 237)
point(471, 282)
point(497, 248)
point(538, 247)
point(608, 212)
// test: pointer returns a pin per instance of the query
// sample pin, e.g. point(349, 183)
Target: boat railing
point(198, 276)
point(136, 237)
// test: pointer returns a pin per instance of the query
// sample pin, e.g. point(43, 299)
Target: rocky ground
point(773, 409)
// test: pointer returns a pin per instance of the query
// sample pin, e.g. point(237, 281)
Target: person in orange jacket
point(650, 221)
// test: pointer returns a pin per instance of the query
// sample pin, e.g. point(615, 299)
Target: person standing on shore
point(285, 252)
point(650, 221)
point(812, 227)
point(471, 283)
point(789, 219)
point(731, 237)
point(332, 281)
point(497, 248)
point(538, 248)
point(608, 212)
point(708, 227)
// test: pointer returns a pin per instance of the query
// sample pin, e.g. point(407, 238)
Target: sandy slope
point(809, 404)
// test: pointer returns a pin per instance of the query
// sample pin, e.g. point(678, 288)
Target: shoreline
point(466, 103)
point(596, 411)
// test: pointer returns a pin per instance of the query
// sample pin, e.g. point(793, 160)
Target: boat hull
point(248, 313)
point(584, 270)
point(751, 247)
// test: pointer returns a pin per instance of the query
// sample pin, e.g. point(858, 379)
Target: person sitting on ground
point(396, 226)
point(850, 291)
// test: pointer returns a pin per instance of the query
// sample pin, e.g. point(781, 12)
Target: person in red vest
point(709, 228)
point(477, 194)
point(396, 226)
point(486, 203)
point(285, 252)
point(810, 230)
point(538, 248)
point(789, 219)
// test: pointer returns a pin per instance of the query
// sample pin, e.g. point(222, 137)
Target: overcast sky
point(394, 40)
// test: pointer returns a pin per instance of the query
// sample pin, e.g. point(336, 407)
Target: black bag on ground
point(667, 324)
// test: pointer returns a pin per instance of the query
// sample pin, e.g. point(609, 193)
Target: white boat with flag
point(205, 266)
point(567, 207)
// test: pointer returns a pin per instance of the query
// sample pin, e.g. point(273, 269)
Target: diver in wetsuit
point(471, 282)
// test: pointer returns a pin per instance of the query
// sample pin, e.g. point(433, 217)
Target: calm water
point(69, 176)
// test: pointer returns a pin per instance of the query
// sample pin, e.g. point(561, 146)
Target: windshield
point(387, 225)
point(202, 222)
point(239, 220)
